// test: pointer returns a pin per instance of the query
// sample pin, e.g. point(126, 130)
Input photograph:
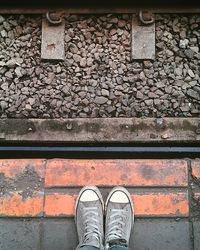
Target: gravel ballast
point(97, 77)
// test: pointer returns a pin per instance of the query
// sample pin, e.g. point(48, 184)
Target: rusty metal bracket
point(146, 17)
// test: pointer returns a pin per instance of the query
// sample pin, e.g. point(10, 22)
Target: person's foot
point(119, 217)
point(89, 217)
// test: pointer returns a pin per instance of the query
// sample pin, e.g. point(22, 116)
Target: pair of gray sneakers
point(119, 215)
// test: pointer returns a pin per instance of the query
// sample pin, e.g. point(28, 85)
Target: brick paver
point(17, 206)
point(22, 187)
point(133, 173)
point(195, 164)
point(146, 204)
point(12, 168)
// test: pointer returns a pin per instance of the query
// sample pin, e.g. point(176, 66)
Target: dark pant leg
point(88, 248)
point(119, 248)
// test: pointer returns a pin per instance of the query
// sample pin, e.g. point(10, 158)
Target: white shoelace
point(116, 226)
point(92, 224)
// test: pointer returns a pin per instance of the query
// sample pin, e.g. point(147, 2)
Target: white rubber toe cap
point(119, 197)
point(89, 195)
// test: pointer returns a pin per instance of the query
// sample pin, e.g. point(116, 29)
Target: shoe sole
point(122, 189)
point(93, 188)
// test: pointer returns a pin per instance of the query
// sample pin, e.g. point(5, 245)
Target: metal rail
point(93, 10)
point(99, 152)
point(92, 6)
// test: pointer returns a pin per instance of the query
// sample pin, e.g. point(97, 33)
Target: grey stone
point(7, 26)
point(18, 72)
point(183, 34)
point(157, 101)
point(67, 38)
point(195, 49)
point(113, 32)
point(179, 83)
point(25, 90)
point(122, 23)
point(160, 84)
point(178, 71)
point(9, 74)
point(175, 105)
point(3, 105)
point(169, 53)
point(193, 83)
point(110, 109)
point(195, 111)
point(189, 53)
point(159, 92)
point(100, 100)
point(183, 44)
point(31, 101)
point(139, 95)
point(25, 37)
point(2, 19)
point(4, 33)
point(89, 62)
point(19, 235)
point(82, 94)
point(149, 102)
point(168, 89)
point(105, 92)
point(185, 108)
point(58, 70)
point(11, 63)
point(191, 73)
point(83, 62)
point(4, 86)
point(77, 58)
point(152, 95)
point(2, 63)
point(28, 107)
point(194, 94)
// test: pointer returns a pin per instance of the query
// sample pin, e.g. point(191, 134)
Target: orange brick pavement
point(38, 187)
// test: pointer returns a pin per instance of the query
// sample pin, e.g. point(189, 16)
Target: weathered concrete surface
point(101, 130)
point(19, 235)
point(196, 226)
point(59, 235)
point(147, 234)
point(53, 45)
point(157, 235)
point(143, 40)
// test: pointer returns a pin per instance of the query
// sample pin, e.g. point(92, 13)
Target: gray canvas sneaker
point(89, 217)
point(119, 217)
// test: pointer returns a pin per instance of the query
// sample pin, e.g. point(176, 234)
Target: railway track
point(46, 157)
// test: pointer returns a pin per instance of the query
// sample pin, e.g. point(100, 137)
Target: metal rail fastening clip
point(146, 17)
point(54, 18)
